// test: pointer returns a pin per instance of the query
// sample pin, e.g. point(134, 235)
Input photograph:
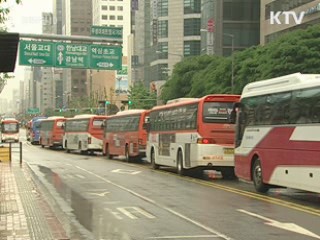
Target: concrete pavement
point(24, 214)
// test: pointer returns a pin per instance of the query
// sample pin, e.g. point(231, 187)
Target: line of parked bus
point(261, 136)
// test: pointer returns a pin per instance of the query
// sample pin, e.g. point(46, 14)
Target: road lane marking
point(129, 212)
point(200, 225)
point(291, 205)
point(80, 176)
point(126, 171)
point(115, 214)
point(99, 194)
point(257, 196)
point(185, 237)
point(285, 226)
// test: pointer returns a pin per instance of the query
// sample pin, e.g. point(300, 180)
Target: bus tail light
point(140, 141)
point(205, 141)
point(89, 140)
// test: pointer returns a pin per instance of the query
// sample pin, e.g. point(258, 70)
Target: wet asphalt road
point(111, 199)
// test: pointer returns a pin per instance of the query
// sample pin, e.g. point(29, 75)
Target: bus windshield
point(36, 125)
point(10, 127)
point(217, 112)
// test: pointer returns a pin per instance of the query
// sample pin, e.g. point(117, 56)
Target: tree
point(297, 51)
point(4, 11)
point(180, 83)
point(141, 98)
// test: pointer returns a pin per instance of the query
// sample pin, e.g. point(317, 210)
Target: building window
point(242, 11)
point(192, 48)
point(120, 17)
point(192, 27)
point(112, 8)
point(163, 8)
point(163, 29)
point(162, 50)
point(104, 7)
point(192, 6)
point(120, 8)
point(104, 17)
point(112, 17)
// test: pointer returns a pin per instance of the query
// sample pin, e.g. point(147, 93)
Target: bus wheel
point(257, 177)
point(153, 160)
point(109, 156)
point(180, 169)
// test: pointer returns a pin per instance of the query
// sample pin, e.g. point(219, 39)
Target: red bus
point(125, 134)
point(51, 131)
point(278, 133)
point(193, 134)
point(84, 133)
point(10, 130)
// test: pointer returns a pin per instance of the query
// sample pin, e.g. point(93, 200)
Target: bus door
point(96, 131)
point(57, 132)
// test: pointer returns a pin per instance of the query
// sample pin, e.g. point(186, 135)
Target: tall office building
point(171, 32)
point(61, 77)
point(271, 28)
point(78, 14)
point(107, 84)
point(46, 91)
point(228, 26)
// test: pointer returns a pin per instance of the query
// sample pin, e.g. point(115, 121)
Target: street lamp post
point(232, 59)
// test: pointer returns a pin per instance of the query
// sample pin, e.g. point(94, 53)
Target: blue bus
point(34, 130)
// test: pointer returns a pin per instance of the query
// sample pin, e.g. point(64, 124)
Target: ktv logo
point(290, 17)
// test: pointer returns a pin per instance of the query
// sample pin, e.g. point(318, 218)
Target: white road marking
point(286, 226)
point(116, 214)
point(180, 237)
point(129, 212)
point(80, 176)
point(126, 171)
point(99, 194)
point(200, 225)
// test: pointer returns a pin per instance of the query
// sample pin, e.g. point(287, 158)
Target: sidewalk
point(24, 215)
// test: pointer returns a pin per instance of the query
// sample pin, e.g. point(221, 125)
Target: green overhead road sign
point(70, 55)
point(33, 111)
point(105, 57)
point(33, 53)
point(103, 31)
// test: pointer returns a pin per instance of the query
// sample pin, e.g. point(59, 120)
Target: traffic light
point(60, 110)
point(130, 102)
point(107, 102)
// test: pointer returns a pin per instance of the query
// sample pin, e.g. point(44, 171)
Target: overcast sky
point(24, 18)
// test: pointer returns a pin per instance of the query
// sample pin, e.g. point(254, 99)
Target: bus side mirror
point(62, 126)
point(233, 114)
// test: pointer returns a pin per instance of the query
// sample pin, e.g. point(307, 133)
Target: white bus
point(83, 133)
point(193, 134)
point(278, 133)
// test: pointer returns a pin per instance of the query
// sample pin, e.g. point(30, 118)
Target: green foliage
point(5, 11)
point(141, 98)
point(180, 83)
point(297, 51)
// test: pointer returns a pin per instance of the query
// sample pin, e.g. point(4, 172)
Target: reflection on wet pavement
point(87, 219)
